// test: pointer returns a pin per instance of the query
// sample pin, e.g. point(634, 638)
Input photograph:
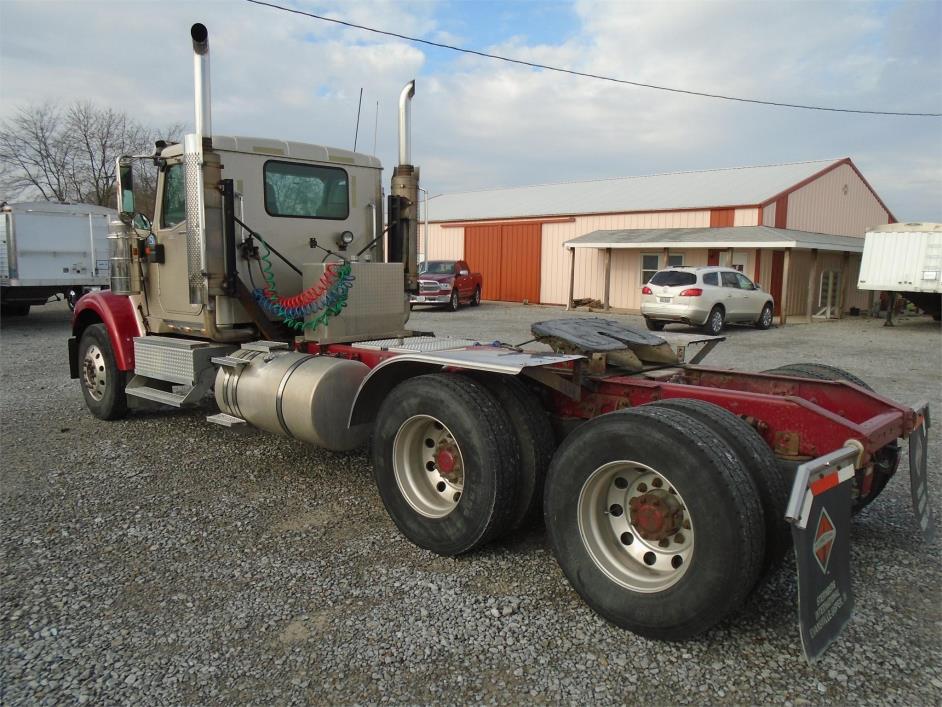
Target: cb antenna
point(375, 127)
point(356, 133)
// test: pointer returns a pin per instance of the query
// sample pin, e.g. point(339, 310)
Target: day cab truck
point(668, 489)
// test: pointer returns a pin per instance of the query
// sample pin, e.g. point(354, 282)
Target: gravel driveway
point(161, 559)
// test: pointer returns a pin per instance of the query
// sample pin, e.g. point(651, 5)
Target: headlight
point(344, 239)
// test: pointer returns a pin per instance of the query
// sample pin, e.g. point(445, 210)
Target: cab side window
point(173, 200)
point(730, 279)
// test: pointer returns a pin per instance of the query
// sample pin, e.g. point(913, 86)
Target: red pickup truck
point(448, 282)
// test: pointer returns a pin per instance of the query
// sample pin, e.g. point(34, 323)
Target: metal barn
point(796, 228)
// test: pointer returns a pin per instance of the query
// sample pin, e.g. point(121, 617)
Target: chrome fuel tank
point(294, 394)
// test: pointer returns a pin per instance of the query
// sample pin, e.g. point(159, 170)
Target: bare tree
point(35, 157)
point(70, 155)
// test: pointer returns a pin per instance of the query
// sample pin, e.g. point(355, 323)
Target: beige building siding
point(746, 217)
point(590, 270)
point(823, 206)
point(444, 243)
point(796, 298)
point(768, 215)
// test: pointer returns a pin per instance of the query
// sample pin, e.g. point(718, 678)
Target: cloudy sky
point(481, 123)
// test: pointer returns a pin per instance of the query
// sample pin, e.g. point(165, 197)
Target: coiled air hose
point(328, 296)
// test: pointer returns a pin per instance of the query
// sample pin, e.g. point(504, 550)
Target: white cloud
point(484, 123)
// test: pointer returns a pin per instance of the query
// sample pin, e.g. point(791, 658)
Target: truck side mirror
point(125, 188)
point(463, 273)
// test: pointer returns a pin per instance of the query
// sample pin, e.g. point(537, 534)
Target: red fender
point(116, 312)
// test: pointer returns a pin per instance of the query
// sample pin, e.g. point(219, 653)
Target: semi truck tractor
point(668, 489)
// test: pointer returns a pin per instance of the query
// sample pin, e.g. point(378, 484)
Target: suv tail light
point(646, 290)
point(692, 292)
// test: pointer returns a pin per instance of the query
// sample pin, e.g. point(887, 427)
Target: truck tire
point(445, 467)
point(454, 303)
point(102, 382)
point(476, 297)
point(535, 442)
point(690, 548)
point(14, 310)
point(885, 460)
point(770, 479)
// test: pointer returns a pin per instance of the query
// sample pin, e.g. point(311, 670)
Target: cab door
point(463, 282)
point(168, 279)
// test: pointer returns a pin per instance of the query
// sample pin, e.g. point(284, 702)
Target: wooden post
point(608, 277)
point(830, 297)
point(783, 307)
point(812, 281)
point(572, 276)
point(842, 297)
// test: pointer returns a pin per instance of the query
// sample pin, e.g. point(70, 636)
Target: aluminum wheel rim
point(766, 316)
point(716, 321)
point(428, 466)
point(614, 541)
point(94, 375)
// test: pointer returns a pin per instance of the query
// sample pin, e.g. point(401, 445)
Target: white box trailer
point(905, 258)
point(49, 249)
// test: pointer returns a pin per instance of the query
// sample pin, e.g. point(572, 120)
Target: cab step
point(163, 392)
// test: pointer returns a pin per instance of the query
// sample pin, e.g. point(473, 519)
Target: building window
point(675, 261)
point(739, 261)
point(649, 265)
point(306, 191)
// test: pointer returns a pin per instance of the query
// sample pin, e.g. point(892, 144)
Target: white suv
point(709, 297)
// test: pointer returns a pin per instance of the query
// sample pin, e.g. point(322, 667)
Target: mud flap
point(819, 511)
point(919, 473)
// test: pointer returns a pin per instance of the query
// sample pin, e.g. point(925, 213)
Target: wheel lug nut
point(642, 487)
point(679, 538)
point(664, 542)
point(657, 483)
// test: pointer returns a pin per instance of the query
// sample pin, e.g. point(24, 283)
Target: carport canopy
point(720, 238)
point(726, 238)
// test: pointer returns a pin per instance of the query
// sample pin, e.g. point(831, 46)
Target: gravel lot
point(161, 559)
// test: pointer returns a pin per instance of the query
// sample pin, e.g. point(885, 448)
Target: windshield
point(438, 267)
point(673, 278)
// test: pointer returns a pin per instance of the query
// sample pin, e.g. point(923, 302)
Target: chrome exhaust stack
point(404, 198)
point(195, 147)
point(201, 85)
point(405, 123)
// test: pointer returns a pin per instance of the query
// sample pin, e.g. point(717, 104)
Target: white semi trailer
point(49, 249)
point(905, 258)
